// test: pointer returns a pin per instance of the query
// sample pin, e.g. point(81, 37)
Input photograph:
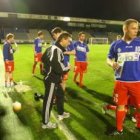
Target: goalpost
point(94, 40)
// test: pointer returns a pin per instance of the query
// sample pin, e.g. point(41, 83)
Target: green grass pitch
point(87, 121)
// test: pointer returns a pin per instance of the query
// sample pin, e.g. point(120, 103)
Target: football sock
point(75, 77)
point(34, 66)
point(81, 79)
point(120, 116)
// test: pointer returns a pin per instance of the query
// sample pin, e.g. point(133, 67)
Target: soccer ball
point(16, 106)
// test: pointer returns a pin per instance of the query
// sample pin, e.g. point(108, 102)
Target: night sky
point(100, 9)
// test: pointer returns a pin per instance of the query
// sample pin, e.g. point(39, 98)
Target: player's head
point(40, 34)
point(10, 37)
point(130, 28)
point(64, 39)
point(56, 32)
point(118, 37)
point(81, 36)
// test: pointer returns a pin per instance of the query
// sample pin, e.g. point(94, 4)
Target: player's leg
point(34, 67)
point(120, 98)
point(47, 105)
point(60, 99)
point(12, 82)
point(60, 103)
point(9, 68)
point(39, 60)
point(77, 71)
point(6, 79)
point(81, 79)
point(83, 69)
point(75, 77)
point(135, 92)
point(132, 108)
point(120, 116)
point(41, 67)
point(11, 78)
point(107, 107)
point(111, 107)
point(63, 84)
point(64, 81)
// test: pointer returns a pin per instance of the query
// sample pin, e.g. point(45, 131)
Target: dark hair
point(56, 30)
point(129, 21)
point(80, 33)
point(40, 33)
point(63, 35)
point(9, 36)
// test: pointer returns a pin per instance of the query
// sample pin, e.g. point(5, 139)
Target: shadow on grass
point(2, 129)
point(92, 119)
point(38, 78)
point(30, 117)
point(100, 96)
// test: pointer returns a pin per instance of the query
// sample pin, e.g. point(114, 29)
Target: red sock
point(137, 117)
point(135, 114)
point(120, 116)
point(81, 79)
point(111, 107)
point(75, 77)
point(34, 66)
point(41, 67)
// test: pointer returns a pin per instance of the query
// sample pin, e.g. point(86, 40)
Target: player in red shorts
point(38, 44)
point(69, 51)
point(8, 52)
point(81, 50)
point(124, 58)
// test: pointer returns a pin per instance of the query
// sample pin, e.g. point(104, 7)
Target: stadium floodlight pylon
point(95, 40)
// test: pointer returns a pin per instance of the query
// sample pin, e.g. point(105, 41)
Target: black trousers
point(51, 90)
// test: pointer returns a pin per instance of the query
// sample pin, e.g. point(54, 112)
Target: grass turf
point(87, 121)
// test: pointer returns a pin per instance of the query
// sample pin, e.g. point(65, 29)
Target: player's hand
point(65, 52)
point(69, 67)
point(115, 66)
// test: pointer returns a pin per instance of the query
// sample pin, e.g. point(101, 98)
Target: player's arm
point(34, 46)
point(34, 49)
point(87, 51)
point(6, 50)
point(57, 65)
point(111, 58)
point(70, 52)
point(15, 47)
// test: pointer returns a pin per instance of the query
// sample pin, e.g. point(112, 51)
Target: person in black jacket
point(54, 70)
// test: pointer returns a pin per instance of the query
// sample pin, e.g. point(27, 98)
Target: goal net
point(94, 40)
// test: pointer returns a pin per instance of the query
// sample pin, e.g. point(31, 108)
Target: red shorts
point(80, 67)
point(65, 76)
point(131, 101)
point(9, 66)
point(124, 90)
point(37, 57)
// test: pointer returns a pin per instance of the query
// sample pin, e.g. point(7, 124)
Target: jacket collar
point(60, 47)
